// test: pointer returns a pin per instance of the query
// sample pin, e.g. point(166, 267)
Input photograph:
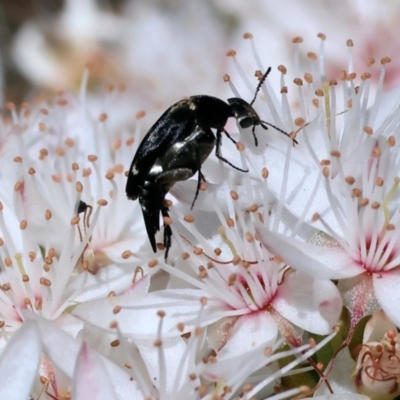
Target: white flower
point(342, 180)
point(82, 157)
point(373, 26)
point(375, 372)
point(91, 379)
point(34, 275)
point(378, 367)
point(44, 240)
point(252, 288)
point(67, 356)
point(249, 295)
point(244, 277)
point(173, 366)
point(230, 371)
point(19, 362)
point(339, 185)
point(342, 396)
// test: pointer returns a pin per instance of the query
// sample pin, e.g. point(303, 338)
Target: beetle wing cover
point(177, 123)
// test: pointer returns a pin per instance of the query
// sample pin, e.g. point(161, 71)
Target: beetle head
point(244, 112)
point(246, 115)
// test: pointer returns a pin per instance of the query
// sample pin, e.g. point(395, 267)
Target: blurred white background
point(163, 50)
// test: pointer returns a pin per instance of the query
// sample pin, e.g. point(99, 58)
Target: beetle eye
point(246, 122)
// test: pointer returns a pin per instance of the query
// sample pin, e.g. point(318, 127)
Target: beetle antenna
point(262, 80)
point(264, 125)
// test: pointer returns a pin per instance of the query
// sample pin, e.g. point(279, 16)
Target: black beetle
point(175, 148)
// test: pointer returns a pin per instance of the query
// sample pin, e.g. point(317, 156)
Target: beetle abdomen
point(151, 201)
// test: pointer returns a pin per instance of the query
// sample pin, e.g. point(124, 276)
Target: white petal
point(132, 243)
point(185, 192)
point(220, 332)
point(174, 352)
point(340, 376)
point(140, 287)
point(19, 362)
point(69, 324)
point(62, 349)
point(239, 367)
point(377, 326)
point(91, 380)
point(250, 332)
point(320, 262)
point(387, 291)
point(312, 304)
point(389, 103)
point(342, 396)
point(111, 278)
point(301, 180)
point(138, 317)
point(358, 295)
point(29, 49)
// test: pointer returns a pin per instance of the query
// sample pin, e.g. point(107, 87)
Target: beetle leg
point(218, 153)
point(229, 136)
point(254, 135)
point(165, 181)
point(167, 232)
point(200, 177)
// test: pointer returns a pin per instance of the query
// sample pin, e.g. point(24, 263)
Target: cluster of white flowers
point(265, 264)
